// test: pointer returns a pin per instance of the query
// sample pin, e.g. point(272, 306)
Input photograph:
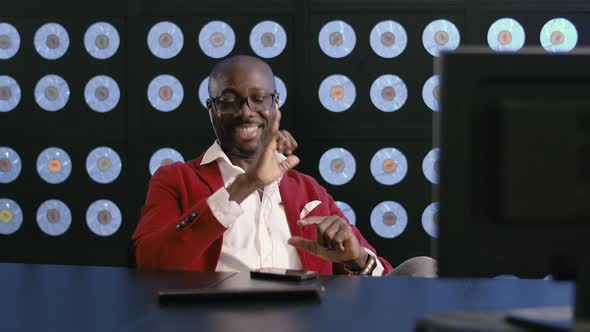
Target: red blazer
point(179, 192)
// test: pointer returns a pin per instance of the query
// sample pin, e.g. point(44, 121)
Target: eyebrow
point(250, 90)
point(254, 90)
point(229, 90)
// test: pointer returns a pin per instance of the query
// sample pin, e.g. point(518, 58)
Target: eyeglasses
point(232, 105)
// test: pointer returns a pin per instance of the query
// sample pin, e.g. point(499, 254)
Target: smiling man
point(240, 205)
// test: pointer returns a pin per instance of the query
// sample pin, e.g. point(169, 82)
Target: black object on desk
point(555, 319)
point(241, 295)
point(544, 319)
point(269, 273)
point(258, 286)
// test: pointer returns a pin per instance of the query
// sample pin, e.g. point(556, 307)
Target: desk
point(108, 299)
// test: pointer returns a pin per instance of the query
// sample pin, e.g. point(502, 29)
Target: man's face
point(241, 133)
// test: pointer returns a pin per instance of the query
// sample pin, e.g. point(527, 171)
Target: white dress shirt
point(258, 229)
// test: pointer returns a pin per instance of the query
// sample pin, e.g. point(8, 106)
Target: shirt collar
point(213, 153)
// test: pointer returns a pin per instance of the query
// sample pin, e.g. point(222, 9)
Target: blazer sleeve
point(158, 242)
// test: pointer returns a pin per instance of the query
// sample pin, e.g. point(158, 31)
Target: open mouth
point(248, 131)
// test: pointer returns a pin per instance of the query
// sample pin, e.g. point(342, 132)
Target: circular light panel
point(337, 166)
point(337, 39)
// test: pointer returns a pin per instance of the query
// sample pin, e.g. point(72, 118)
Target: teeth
point(248, 129)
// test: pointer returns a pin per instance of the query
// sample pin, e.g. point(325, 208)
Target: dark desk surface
point(107, 299)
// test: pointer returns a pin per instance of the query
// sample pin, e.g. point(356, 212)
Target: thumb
point(299, 242)
point(270, 142)
point(289, 163)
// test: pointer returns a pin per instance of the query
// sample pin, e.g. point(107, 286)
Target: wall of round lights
point(216, 39)
point(267, 39)
point(389, 93)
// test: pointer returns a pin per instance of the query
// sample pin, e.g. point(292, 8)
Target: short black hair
point(220, 69)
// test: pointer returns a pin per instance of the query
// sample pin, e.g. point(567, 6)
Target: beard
point(225, 132)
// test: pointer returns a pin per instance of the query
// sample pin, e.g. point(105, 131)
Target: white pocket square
point(308, 207)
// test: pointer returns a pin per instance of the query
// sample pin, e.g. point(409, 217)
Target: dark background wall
point(135, 130)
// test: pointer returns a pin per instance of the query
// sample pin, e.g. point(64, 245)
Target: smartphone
point(282, 274)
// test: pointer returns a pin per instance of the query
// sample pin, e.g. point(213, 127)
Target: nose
point(245, 110)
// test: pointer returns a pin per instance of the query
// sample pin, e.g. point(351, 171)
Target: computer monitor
point(515, 163)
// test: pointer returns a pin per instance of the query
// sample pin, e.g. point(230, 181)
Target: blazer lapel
point(288, 189)
point(209, 173)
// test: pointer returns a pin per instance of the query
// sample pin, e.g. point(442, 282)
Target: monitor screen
point(515, 163)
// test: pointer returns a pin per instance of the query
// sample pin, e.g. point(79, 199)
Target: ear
point(210, 111)
point(210, 105)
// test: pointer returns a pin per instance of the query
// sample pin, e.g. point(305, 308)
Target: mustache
point(250, 121)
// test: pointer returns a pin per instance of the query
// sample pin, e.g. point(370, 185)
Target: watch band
point(366, 270)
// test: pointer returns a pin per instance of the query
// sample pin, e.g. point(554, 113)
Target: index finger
point(274, 126)
point(311, 221)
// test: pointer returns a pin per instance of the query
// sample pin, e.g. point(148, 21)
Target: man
point(240, 205)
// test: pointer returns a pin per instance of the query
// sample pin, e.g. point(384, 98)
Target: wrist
point(362, 260)
point(366, 269)
point(241, 188)
point(358, 263)
point(251, 181)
